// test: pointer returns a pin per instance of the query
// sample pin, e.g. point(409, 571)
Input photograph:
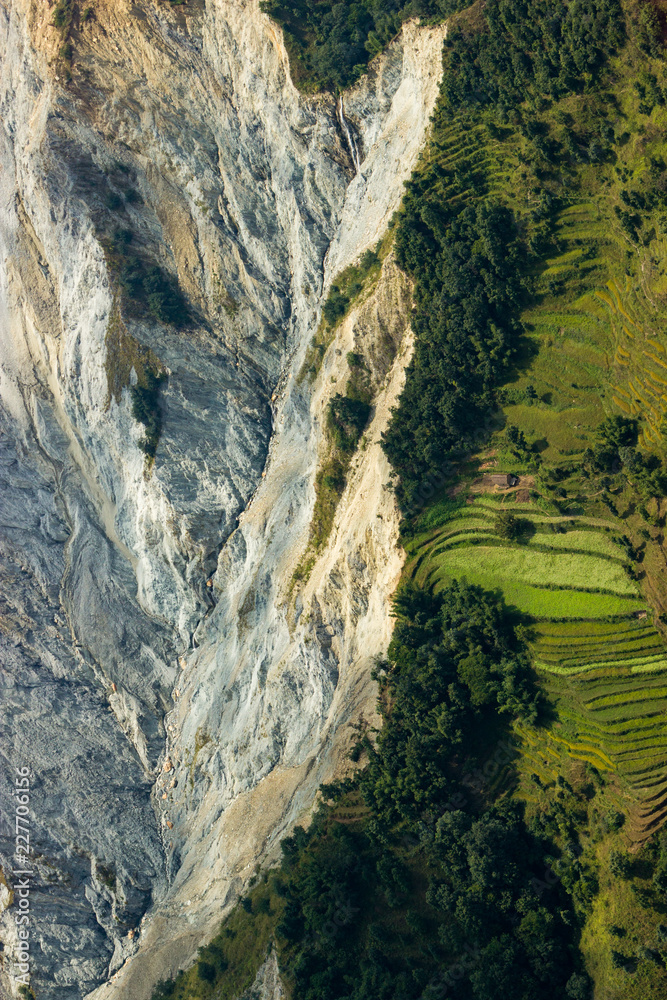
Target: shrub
point(62, 15)
point(145, 396)
point(163, 990)
point(206, 971)
point(368, 260)
point(164, 298)
point(619, 865)
point(335, 306)
point(112, 201)
point(334, 477)
point(507, 525)
point(151, 287)
point(346, 419)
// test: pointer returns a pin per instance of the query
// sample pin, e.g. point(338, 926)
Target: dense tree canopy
point(452, 656)
point(470, 261)
point(476, 924)
point(526, 49)
point(470, 284)
point(331, 42)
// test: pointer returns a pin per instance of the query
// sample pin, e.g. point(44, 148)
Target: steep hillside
point(528, 461)
point(172, 213)
point(306, 400)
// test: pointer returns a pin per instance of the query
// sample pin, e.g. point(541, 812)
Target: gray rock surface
point(267, 984)
point(177, 709)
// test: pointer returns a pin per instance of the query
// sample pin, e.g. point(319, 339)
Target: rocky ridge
point(146, 604)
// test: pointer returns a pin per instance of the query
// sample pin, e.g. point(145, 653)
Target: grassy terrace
point(605, 668)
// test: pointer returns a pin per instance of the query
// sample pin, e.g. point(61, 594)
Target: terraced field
point(580, 574)
point(615, 715)
point(595, 346)
point(596, 326)
point(601, 658)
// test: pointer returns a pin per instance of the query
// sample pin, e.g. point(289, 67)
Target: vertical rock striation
point(177, 708)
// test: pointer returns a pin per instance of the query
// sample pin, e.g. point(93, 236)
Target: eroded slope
point(179, 143)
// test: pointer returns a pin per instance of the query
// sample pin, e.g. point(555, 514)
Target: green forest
point(430, 874)
point(502, 833)
point(331, 44)
point(473, 264)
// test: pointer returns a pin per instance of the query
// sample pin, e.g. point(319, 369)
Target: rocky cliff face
point(176, 707)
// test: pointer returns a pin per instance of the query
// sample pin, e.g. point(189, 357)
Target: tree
point(579, 987)
point(206, 971)
point(474, 672)
point(508, 525)
point(618, 432)
point(516, 439)
point(619, 865)
point(496, 974)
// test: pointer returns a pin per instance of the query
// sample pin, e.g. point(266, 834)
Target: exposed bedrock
point(176, 704)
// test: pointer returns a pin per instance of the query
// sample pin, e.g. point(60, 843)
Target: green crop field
point(603, 665)
point(539, 568)
point(543, 568)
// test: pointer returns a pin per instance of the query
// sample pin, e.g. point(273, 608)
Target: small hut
point(502, 481)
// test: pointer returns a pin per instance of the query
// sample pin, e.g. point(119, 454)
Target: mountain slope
point(172, 211)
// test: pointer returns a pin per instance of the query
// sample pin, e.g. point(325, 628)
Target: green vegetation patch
point(356, 279)
point(229, 964)
point(546, 51)
point(62, 15)
point(330, 44)
point(350, 284)
point(147, 289)
point(347, 413)
point(543, 569)
point(347, 416)
point(142, 288)
point(469, 271)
